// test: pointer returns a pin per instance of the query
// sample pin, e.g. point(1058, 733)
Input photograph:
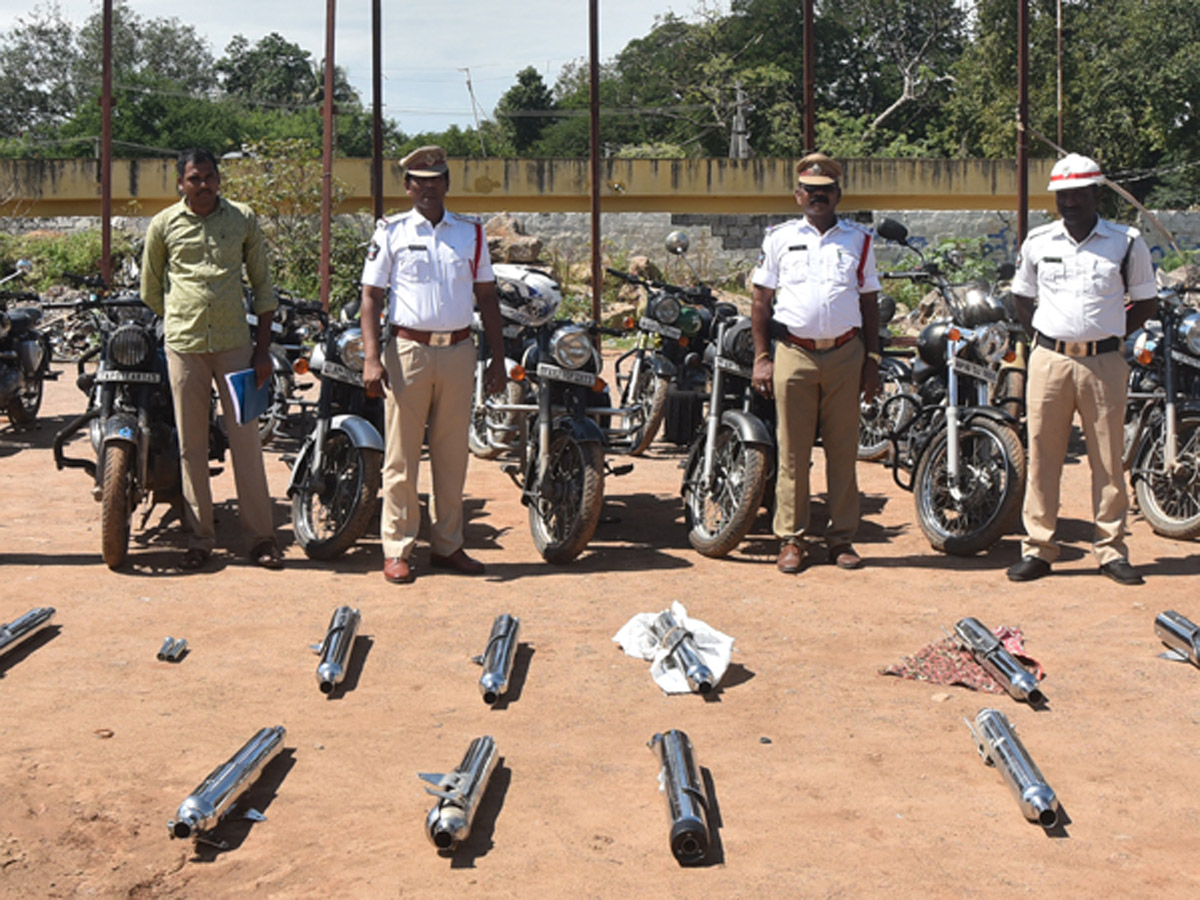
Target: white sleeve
point(377, 269)
point(766, 271)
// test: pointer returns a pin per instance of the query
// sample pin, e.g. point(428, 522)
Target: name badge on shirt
point(1052, 259)
point(798, 247)
point(418, 247)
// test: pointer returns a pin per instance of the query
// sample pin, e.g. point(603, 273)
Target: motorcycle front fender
point(750, 428)
point(584, 431)
point(1152, 432)
point(120, 427)
point(987, 412)
point(897, 366)
point(662, 366)
point(362, 434)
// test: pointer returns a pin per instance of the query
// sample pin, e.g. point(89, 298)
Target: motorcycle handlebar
point(97, 303)
point(91, 281)
point(27, 296)
point(698, 294)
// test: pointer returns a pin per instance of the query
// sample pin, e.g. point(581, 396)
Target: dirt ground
point(828, 779)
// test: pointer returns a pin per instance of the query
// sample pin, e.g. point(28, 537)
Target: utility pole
point(739, 142)
point(474, 108)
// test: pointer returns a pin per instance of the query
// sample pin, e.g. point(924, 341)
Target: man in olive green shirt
point(192, 277)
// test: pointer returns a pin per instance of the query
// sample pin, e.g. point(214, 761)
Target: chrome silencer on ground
point(335, 649)
point(999, 745)
point(25, 626)
point(459, 793)
point(204, 807)
point(172, 649)
point(497, 658)
point(975, 638)
point(687, 804)
point(681, 647)
point(1179, 633)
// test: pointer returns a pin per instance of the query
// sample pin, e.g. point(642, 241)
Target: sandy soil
point(829, 779)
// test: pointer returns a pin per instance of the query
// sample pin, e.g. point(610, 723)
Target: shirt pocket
point(793, 267)
point(844, 268)
point(1053, 272)
point(1105, 276)
point(413, 265)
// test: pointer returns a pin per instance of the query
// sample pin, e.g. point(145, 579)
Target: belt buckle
point(824, 343)
point(441, 338)
point(1075, 349)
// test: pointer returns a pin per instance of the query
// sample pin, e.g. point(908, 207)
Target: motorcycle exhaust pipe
point(459, 793)
point(497, 658)
point(1179, 633)
point(681, 647)
point(335, 648)
point(25, 626)
point(974, 637)
point(999, 746)
point(687, 805)
point(204, 807)
point(172, 649)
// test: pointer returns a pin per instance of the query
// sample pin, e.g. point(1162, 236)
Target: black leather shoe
point(1120, 571)
point(1030, 568)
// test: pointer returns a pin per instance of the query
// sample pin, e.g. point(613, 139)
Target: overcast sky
point(424, 44)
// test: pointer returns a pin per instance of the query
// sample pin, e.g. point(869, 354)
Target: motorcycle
point(962, 449)
point(24, 352)
point(667, 378)
point(1162, 417)
point(291, 327)
point(337, 473)
point(130, 421)
point(895, 380)
point(730, 470)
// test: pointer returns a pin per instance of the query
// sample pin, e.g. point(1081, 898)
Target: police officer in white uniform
point(434, 265)
point(1070, 289)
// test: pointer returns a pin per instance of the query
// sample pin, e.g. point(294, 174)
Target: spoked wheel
point(718, 517)
point(23, 407)
point(970, 516)
point(1170, 501)
point(333, 509)
point(881, 416)
point(565, 507)
point(504, 426)
point(116, 504)
point(651, 393)
point(270, 423)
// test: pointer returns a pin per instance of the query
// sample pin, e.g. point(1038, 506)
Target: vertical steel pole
point(1059, 98)
point(1022, 120)
point(594, 102)
point(810, 112)
point(327, 156)
point(106, 105)
point(377, 108)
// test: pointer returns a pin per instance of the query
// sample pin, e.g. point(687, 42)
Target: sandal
point(194, 558)
point(267, 555)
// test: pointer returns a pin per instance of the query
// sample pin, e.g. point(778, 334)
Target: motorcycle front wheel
point(23, 407)
point(1170, 501)
point(966, 518)
point(651, 392)
point(332, 508)
point(565, 507)
point(116, 504)
point(504, 425)
point(879, 419)
point(720, 517)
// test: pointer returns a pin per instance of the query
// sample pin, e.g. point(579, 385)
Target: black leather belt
point(1080, 348)
point(820, 345)
point(432, 338)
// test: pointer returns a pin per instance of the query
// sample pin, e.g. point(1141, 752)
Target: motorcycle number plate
point(568, 375)
point(338, 372)
point(973, 370)
point(1182, 357)
point(128, 377)
point(657, 327)
point(728, 365)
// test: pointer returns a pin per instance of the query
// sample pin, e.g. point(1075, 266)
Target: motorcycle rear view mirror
point(677, 243)
point(891, 230)
point(1005, 271)
point(24, 266)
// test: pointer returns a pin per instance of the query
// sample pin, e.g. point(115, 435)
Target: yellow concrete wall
point(143, 187)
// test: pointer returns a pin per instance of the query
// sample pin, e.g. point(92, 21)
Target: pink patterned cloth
point(942, 662)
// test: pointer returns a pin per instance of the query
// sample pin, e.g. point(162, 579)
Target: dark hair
point(445, 175)
point(195, 156)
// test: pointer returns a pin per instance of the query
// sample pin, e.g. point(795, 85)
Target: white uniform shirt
point(1079, 288)
point(815, 276)
point(428, 269)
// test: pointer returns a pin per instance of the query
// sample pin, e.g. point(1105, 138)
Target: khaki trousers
point(427, 385)
point(192, 376)
point(817, 393)
point(1058, 387)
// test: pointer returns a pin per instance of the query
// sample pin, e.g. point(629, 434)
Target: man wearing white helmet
point(1070, 289)
point(434, 267)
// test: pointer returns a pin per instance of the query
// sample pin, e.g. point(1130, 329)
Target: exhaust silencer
point(680, 646)
point(459, 793)
point(687, 805)
point(1179, 633)
point(999, 745)
point(25, 627)
point(975, 638)
point(204, 807)
point(497, 658)
point(172, 649)
point(335, 649)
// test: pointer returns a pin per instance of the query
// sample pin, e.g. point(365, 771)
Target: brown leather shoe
point(397, 571)
point(844, 557)
point(458, 561)
point(791, 557)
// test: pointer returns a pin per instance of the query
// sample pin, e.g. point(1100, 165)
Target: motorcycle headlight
point(571, 347)
point(689, 321)
point(350, 348)
point(130, 347)
point(666, 309)
point(1189, 332)
point(991, 342)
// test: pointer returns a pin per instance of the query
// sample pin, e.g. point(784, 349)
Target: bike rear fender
point(750, 428)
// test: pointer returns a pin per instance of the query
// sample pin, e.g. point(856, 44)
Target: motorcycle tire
point(1170, 502)
point(116, 504)
point(504, 424)
point(23, 407)
point(565, 508)
point(719, 519)
point(876, 424)
point(992, 464)
point(651, 393)
point(270, 423)
point(328, 521)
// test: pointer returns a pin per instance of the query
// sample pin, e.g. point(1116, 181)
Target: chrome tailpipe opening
point(687, 803)
point(335, 648)
point(459, 793)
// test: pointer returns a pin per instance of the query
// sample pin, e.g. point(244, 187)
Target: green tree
point(37, 92)
point(519, 108)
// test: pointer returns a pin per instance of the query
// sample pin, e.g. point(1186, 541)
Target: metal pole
point(594, 102)
point(1059, 97)
point(810, 115)
point(1022, 120)
point(106, 105)
point(377, 109)
point(327, 157)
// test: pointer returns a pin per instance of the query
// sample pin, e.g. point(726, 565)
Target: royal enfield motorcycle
point(24, 351)
point(961, 450)
point(895, 381)
point(1162, 417)
point(294, 324)
point(336, 475)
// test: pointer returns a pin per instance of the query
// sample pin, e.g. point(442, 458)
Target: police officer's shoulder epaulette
point(463, 217)
point(390, 220)
point(1040, 230)
point(778, 226)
